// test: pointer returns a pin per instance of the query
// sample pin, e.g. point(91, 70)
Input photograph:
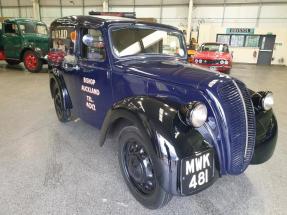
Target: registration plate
point(197, 172)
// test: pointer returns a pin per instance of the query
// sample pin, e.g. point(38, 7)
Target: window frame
point(127, 25)
point(237, 35)
point(42, 24)
point(253, 35)
point(244, 42)
point(18, 32)
point(82, 45)
point(60, 28)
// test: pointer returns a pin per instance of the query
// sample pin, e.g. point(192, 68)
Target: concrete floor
point(47, 167)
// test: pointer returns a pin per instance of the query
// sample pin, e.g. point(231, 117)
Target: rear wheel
point(63, 114)
point(138, 169)
point(32, 61)
point(12, 62)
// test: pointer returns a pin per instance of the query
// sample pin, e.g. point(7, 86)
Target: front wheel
point(32, 61)
point(138, 169)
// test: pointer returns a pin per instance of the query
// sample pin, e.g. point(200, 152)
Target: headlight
point(263, 100)
point(196, 60)
point(221, 62)
point(37, 49)
point(195, 114)
point(226, 62)
point(268, 101)
point(200, 60)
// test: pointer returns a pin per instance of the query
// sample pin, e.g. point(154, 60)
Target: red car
point(215, 56)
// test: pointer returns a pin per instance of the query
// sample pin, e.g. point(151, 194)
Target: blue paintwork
point(175, 80)
point(169, 78)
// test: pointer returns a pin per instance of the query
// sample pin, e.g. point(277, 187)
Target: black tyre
point(13, 62)
point(138, 170)
point(62, 113)
point(32, 61)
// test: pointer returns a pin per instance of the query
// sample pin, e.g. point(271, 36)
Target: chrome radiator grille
point(239, 113)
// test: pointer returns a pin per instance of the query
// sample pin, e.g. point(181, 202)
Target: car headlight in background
point(196, 60)
point(221, 62)
point(194, 114)
point(200, 60)
point(268, 101)
point(226, 62)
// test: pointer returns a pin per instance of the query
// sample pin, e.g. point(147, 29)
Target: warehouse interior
point(47, 167)
point(207, 18)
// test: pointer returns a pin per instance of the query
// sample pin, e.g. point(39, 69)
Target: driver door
point(12, 40)
point(93, 77)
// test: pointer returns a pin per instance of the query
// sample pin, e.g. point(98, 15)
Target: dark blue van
point(178, 127)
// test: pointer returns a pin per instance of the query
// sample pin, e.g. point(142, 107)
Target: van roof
point(99, 20)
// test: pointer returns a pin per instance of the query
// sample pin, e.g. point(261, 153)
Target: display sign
point(240, 30)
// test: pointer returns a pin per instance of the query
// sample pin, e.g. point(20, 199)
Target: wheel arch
point(168, 150)
point(23, 52)
point(59, 82)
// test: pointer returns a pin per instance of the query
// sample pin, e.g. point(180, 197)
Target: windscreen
point(214, 47)
point(131, 41)
point(32, 28)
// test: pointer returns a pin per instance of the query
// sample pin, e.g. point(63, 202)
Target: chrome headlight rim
point(267, 101)
point(195, 114)
point(259, 100)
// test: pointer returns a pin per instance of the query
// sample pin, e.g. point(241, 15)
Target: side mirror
point(91, 41)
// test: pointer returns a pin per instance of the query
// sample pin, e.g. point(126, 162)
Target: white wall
point(208, 32)
point(210, 19)
point(242, 15)
point(176, 16)
point(173, 12)
point(48, 14)
point(272, 18)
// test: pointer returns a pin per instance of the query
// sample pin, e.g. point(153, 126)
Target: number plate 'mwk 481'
point(197, 172)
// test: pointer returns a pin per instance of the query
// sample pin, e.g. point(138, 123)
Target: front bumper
point(266, 138)
point(189, 174)
point(216, 67)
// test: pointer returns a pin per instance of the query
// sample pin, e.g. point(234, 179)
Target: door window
point(41, 29)
point(93, 45)
point(27, 28)
point(11, 28)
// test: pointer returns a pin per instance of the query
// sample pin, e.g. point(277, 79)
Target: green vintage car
point(24, 40)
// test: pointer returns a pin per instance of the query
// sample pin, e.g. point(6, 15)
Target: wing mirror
point(92, 41)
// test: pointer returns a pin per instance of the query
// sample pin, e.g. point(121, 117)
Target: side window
point(11, 28)
point(93, 45)
point(63, 46)
point(62, 40)
point(27, 28)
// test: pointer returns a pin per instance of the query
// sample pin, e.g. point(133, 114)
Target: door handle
point(70, 67)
